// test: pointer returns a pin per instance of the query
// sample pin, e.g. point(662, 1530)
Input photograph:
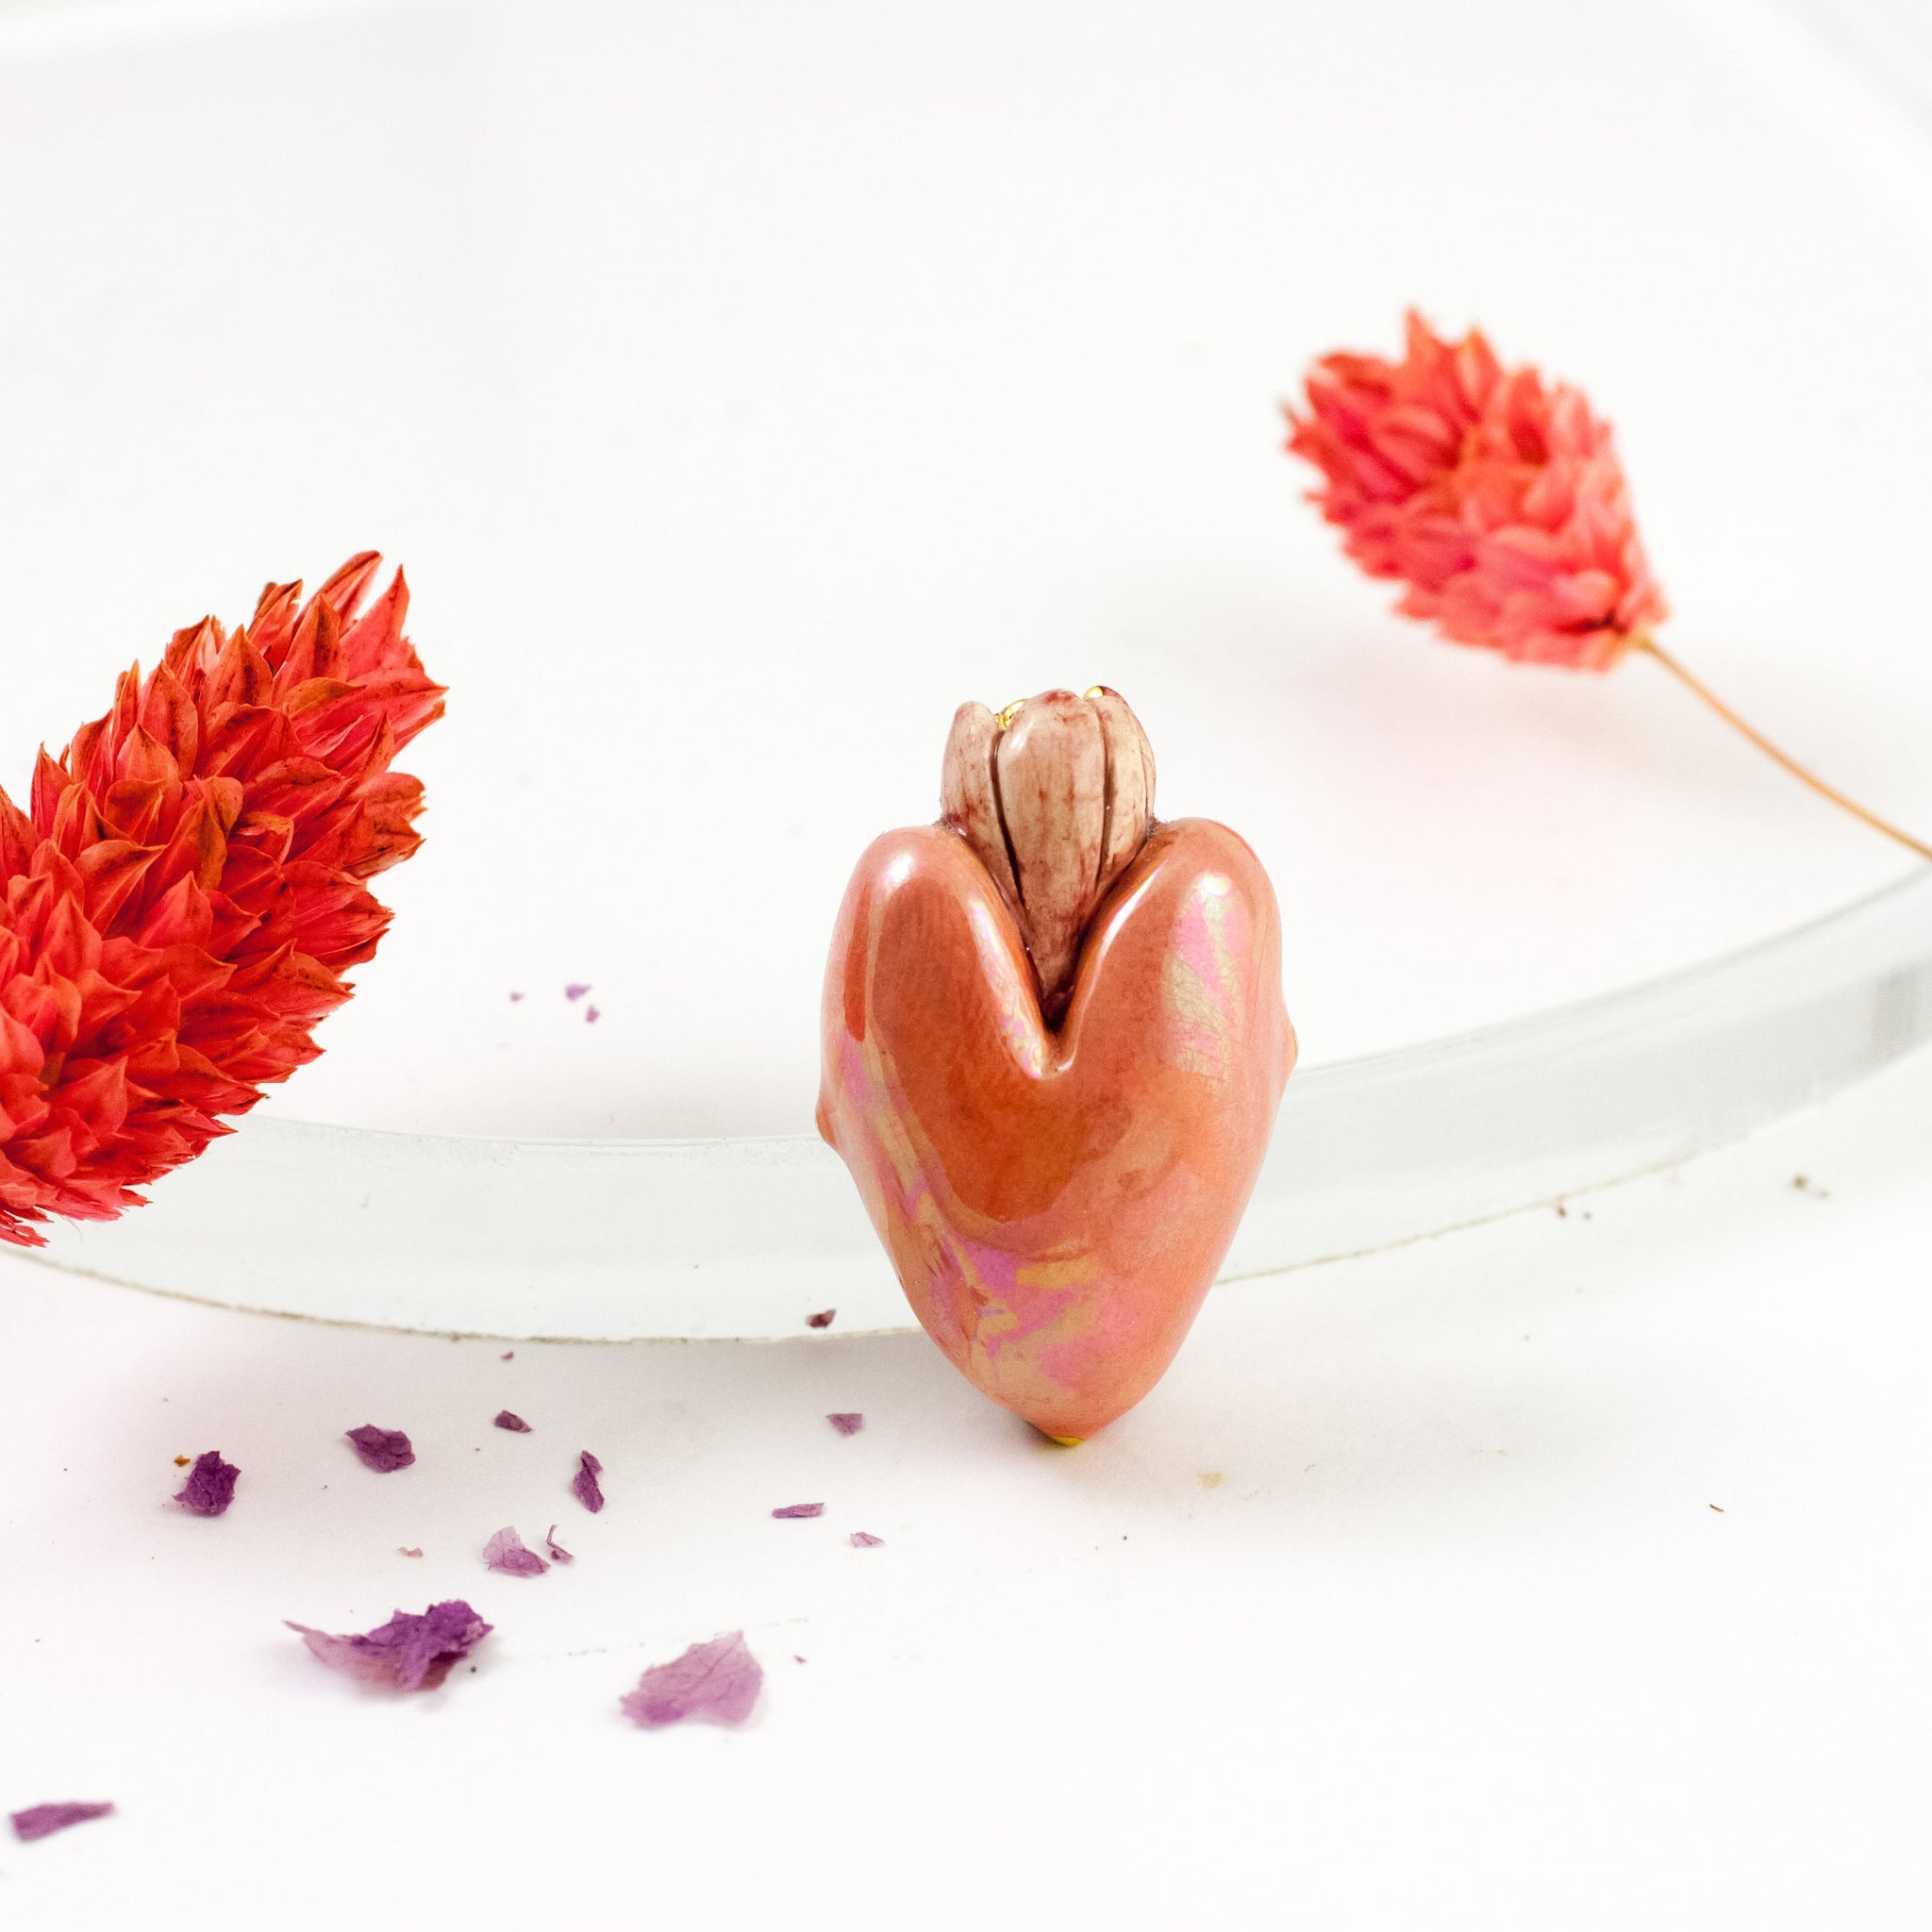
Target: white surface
point(732, 373)
point(1457, 1641)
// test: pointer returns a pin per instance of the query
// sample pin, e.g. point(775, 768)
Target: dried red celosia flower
point(180, 902)
point(1499, 501)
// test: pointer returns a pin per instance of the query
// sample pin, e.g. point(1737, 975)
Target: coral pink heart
point(1057, 1201)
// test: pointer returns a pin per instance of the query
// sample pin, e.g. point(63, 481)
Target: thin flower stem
point(1702, 691)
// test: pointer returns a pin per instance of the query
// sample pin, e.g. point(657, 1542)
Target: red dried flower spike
point(1499, 502)
point(178, 906)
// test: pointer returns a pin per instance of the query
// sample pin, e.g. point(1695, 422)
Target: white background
point(744, 387)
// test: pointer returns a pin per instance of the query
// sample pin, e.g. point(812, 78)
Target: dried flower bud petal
point(1051, 765)
point(1129, 783)
point(969, 801)
point(1055, 796)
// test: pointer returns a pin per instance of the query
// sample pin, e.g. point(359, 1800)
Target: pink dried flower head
point(181, 900)
point(1497, 500)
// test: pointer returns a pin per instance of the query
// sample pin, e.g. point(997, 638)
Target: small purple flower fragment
point(382, 1450)
point(822, 1320)
point(847, 1423)
point(718, 1681)
point(510, 1354)
point(514, 1423)
point(864, 1540)
point(591, 1015)
point(800, 1509)
point(44, 1821)
point(211, 1485)
point(557, 1552)
point(407, 1653)
point(576, 989)
point(505, 1551)
point(515, 997)
point(585, 1482)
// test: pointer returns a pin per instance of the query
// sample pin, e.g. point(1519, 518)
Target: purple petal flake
point(557, 1552)
point(211, 1485)
point(515, 1424)
point(864, 1540)
point(585, 1482)
point(44, 1821)
point(505, 1551)
point(515, 997)
point(382, 1450)
point(591, 1015)
point(822, 1320)
point(800, 1509)
point(848, 1423)
point(407, 1653)
point(576, 989)
point(718, 1681)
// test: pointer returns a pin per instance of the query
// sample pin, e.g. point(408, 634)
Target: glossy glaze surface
point(1055, 1203)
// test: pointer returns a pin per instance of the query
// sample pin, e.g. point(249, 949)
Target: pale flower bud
point(1056, 796)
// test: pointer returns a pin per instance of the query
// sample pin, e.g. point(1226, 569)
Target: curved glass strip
point(743, 1238)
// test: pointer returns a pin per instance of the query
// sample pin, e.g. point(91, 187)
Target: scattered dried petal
point(403, 1550)
point(515, 997)
point(864, 1540)
point(591, 1015)
point(505, 1551)
point(822, 1320)
point(510, 1354)
point(718, 1681)
point(382, 1450)
point(408, 1653)
point(847, 1421)
point(211, 1485)
point(515, 1424)
point(585, 1482)
point(557, 1552)
point(800, 1509)
point(182, 1461)
point(42, 1821)
point(575, 991)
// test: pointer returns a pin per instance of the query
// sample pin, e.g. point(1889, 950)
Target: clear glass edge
point(741, 1237)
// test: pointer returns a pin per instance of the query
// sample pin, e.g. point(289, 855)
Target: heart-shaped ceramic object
point(1057, 1202)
